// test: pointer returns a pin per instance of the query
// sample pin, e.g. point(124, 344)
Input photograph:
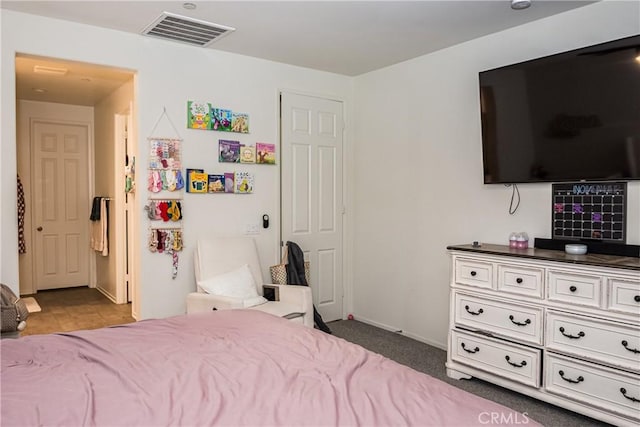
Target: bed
point(229, 367)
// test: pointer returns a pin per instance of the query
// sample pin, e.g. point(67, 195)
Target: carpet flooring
point(430, 360)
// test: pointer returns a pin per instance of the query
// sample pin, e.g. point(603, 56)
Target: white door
point(311, 192)
point(61, 204)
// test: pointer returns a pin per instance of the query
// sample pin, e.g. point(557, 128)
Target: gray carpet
point(431, 360)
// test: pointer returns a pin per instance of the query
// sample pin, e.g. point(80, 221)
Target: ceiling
point(344, 37)
point(81, 84)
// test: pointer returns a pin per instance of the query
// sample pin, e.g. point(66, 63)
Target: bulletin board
point(590, 211)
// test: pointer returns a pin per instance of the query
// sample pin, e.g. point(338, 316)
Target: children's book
point(198, 181)
point(188, 174)
point(229, 179)
point(229, 151)
point(221, 119)
point(247, 153)
point(243, 182)
point(198, 115)
point(265, 153)
point(239, 122)
point(216, 184)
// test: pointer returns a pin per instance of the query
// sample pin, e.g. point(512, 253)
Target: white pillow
point(250, 302)
point(238, 283)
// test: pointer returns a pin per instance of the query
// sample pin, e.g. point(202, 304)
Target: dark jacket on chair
point(296, 276)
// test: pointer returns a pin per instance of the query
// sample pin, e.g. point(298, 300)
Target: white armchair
point(217, 258)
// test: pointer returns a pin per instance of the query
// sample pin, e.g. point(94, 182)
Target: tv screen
point(573, 116)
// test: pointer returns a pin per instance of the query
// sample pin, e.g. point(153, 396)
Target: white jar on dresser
point(561, 328)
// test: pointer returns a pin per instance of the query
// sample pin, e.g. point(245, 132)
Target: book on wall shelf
point(188, 174)
point(239, 122)
point(198, 115)
point(229, 180)
point(265, 153)
point(247, 153)
point(221, 119)
point(229, 151)
point(243, 182)
point(216, 183)
point(197, 181)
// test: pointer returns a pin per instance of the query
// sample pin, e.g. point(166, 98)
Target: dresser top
point(630, 263)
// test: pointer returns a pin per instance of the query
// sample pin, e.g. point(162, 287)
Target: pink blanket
point(236, 367)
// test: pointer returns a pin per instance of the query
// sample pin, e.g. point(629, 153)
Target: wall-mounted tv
point(574, 116)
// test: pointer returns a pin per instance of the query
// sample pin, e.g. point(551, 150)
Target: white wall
point(168, 75)
point(417, 179)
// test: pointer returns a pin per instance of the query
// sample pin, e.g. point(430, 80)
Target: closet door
point(311, 193)
point(61, 204)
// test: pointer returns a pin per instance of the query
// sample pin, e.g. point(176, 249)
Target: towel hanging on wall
point(100, 225)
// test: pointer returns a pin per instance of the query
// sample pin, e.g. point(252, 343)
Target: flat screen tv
point(574, 116)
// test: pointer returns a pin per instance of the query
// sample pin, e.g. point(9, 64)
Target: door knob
point(39, 228)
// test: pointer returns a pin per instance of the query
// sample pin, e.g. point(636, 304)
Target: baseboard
point(593, 247)
point(112, 298)
point(411, 335)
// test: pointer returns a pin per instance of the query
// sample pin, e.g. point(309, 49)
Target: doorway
point(312, 192)
point(59, 153)
point(84, 111)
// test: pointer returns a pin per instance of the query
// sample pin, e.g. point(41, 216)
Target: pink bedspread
point(236, 367)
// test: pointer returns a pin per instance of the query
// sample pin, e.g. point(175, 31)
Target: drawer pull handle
point(525, 323)
point(573, 288)
point(573, 337)
point(631, 398)
point(625, 345)
point(519, 280)
point(473, 313)
point(523, 363)
point(569, 380)
point(472, 351)
point(473, 273)
point(636, 298)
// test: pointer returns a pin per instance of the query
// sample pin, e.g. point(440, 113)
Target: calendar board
point(590, 211)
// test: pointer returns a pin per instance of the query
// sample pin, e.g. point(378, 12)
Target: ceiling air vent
point(186, 30)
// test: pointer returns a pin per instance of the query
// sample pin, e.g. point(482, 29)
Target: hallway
point(71, 309)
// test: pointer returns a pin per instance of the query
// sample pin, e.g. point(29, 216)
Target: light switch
point(252, 229)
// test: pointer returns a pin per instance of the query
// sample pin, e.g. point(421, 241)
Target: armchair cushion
point(238, 284)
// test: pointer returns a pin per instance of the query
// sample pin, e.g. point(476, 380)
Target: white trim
point(119, 214)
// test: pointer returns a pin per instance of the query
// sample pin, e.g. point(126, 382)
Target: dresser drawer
point(602, 341)
point(501, 318)
point(520, 280)
point(516, 362)
point(624, 295)
point(595, 385)
point(474, 273)
point(574, 288)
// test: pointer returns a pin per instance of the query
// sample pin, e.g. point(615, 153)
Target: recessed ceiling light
point(189, 6)
point(38, 90)
point(43, 69)
point(520, 4)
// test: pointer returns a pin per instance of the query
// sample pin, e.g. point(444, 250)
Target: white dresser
point(561, 328)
